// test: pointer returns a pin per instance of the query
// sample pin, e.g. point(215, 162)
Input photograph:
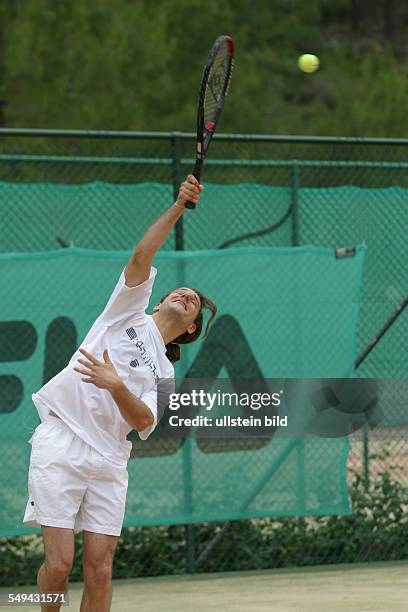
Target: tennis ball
point(308, 62)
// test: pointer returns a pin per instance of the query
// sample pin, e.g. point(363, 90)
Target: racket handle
point(197, 174)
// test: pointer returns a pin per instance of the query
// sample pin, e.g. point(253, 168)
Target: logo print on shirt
point(131, 333)
point(144, 353)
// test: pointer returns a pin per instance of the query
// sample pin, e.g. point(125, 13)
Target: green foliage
point(118, 64)
point(376, 531)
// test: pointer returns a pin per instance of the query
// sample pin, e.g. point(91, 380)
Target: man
point(78, 465)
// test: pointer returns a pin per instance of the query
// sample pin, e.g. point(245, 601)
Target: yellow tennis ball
point(308, 62)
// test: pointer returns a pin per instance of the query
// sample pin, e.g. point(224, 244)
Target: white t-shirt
point(137, 350)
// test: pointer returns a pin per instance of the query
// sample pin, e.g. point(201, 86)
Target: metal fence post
point(188, 505)
point(300, 468)
point(366, 458)
point(176, 150)
point(295, 203)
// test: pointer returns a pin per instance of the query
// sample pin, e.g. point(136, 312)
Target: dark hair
point(173, 348)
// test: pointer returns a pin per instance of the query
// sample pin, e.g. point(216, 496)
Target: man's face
point(183, 301)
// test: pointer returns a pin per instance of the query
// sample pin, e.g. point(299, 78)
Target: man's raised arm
point(138, 267)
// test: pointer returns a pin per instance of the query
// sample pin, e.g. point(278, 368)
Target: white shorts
point(71, 485)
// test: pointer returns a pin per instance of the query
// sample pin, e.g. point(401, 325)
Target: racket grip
point(197, 174)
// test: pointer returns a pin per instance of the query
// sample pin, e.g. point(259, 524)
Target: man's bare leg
point(59, 555)
point(99, 550)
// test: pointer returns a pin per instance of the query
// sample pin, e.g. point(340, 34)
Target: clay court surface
point(375, 587)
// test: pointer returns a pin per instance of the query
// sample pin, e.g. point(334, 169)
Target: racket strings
point(218, 81)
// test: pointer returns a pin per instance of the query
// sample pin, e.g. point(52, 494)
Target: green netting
point(378, 217)
point(80, 215)
point(297, 310)
point(105, 216)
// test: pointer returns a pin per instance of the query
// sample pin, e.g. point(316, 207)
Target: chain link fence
point(57, 191)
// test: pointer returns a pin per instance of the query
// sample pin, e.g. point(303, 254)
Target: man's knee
point(98, 574)
point(58, 569)
point(59, 549)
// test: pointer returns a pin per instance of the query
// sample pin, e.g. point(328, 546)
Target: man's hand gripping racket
point(213, 90)
point(189, 191)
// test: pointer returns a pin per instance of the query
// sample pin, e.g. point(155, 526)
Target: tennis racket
point(214, 87)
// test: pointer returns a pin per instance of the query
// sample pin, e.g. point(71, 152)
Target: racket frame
point(205, 133)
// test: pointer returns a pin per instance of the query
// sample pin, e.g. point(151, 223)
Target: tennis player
point(78, 467)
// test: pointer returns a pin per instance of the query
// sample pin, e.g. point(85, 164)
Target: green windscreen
point(106, 216)
point(283, 313)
